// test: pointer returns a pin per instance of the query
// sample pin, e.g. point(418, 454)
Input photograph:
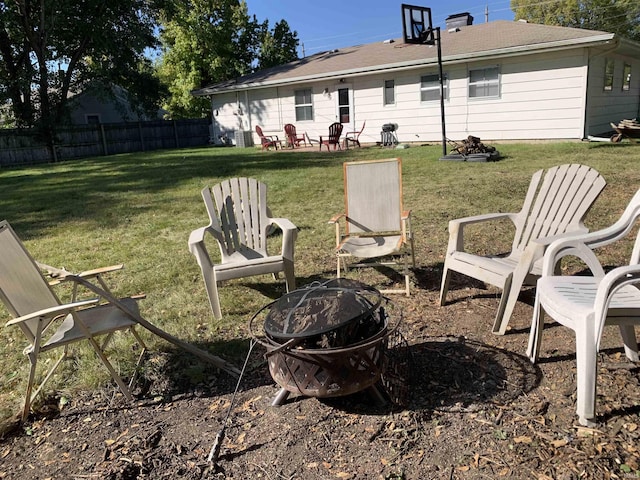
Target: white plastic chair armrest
point(53, 311)
point(284, 224)
point(289, 234)
point(456, 228)
point(485, 217)
point(197, 246)
point(570, 246)
point(610, 283)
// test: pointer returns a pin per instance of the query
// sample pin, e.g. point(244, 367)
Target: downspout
point(212, 140)
point(248, 107)
point(586, 115)
point(280, 118)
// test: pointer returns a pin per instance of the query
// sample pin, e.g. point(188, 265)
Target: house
point(503, 80)
point(105, 104)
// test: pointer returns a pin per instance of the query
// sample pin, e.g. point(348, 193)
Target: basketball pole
point(441, 75)
point(416, 31)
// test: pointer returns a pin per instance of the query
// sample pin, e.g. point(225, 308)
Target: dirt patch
point(476, 409)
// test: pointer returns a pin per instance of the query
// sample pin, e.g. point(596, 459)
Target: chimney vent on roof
point(459, 20)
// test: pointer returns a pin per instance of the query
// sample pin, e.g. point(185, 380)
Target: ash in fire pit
point(328, 339)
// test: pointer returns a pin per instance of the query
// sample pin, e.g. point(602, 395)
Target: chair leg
point(444, 286)
point(30, 394)
point(628, 334)
point(586, 373)
point(289, 275)
point(407, 281)
point(510, 292)
point(211, 285)
point(116, 378)
point(535, 333)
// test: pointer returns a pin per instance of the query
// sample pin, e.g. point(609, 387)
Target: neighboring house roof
point(481, 41)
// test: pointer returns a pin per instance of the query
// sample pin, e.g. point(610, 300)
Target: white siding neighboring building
point(503, 81)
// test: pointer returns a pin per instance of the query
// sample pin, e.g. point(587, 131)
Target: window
point(93, 119)
point(626, 77)
point(609, 66)
point(484, 82)
point(304, 107)
point(430, 87)
point(389, 92)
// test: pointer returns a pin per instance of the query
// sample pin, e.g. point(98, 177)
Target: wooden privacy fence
point(24, 146)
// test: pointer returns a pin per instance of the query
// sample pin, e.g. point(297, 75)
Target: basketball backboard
point(417, 26)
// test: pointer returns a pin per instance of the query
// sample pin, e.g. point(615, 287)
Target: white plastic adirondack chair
point(239, 222)
point(586, 303)
point(376, 226)
point(555, 204)
point(50, 324)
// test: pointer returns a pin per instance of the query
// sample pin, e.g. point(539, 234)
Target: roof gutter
point(594, 41)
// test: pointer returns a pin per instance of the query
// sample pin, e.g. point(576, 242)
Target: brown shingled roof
point(473, 41)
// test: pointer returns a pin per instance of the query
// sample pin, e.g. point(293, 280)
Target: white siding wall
point(541, 97)
point(605, 107)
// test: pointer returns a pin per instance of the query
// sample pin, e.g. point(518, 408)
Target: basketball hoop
point(417, 28)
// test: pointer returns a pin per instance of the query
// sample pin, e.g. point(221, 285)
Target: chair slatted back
point(290, 132)
point(559, 204)
point(335, 130)
point(373, 196)
point(23, 289)
point(239, 213)
point(263, 140)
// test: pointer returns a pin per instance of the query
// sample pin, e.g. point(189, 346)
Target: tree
point(621, 17)
point(50, 49)
point(279, 46)
point(211, 41)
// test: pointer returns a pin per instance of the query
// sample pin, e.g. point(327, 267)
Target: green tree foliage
point(621, 17)
point(211, 41)
point(51, 49)
point(279, 46)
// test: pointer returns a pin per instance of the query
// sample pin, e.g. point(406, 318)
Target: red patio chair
point(292, 137)
point(268, 141)
point(353, 137)
point(335, 130)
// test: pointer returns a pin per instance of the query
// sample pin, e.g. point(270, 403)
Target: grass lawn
point(138, 209)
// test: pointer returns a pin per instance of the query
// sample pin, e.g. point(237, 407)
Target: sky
point(328, 24)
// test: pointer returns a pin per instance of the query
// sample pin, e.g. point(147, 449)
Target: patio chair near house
point(335, 130)
point(93, 314)
point(377, 229)
point(586, 304)
point(555, 204)
point(293, 139)
point(239, 221)
point(268, 141)
point(353, 137)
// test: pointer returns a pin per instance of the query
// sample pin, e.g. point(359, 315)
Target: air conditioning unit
point(244, 138)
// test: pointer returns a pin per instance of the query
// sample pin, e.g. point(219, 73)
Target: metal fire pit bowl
point(306, 357)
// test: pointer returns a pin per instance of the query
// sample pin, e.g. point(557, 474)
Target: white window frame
point(626, 77)
point(305, 106)
point(384, 92)
point(431, 83)
point(483, 87)
point(609, 71)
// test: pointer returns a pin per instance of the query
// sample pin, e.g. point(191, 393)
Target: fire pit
point(328, 339)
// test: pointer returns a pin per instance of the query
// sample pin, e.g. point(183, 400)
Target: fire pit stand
point(328, 339)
